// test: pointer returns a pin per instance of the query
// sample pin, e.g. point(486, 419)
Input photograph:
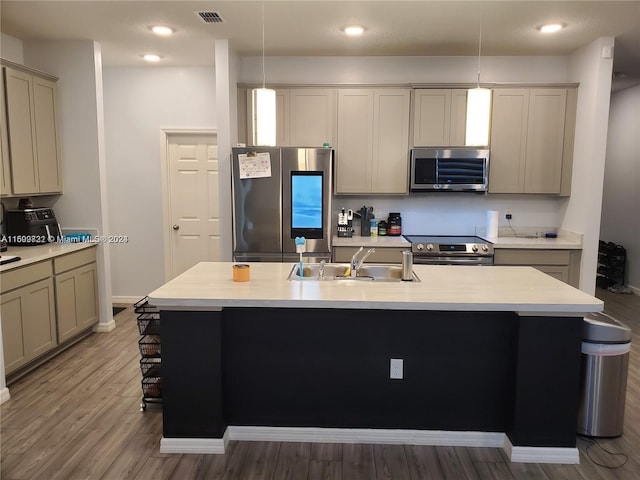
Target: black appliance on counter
point(32, 226)
point(450, 250)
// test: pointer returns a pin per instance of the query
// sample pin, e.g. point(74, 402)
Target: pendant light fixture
point(478, 105)
point(264, 107)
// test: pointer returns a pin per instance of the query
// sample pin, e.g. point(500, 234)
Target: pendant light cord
point(263, 70)
point(479, 39)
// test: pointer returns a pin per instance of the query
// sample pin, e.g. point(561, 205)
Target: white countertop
point(375, 241)
point(38, 253)
point(564, 241)
point(467, 288)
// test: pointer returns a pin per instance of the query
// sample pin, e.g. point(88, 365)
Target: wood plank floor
point(77, 417)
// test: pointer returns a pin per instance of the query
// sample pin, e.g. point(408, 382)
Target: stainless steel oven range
point(450, 250)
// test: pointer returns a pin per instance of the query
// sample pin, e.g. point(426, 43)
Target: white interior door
point(193, 200)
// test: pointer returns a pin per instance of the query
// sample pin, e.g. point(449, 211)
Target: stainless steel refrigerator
point(280, 193)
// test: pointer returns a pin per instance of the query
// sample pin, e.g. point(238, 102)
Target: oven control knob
point(419, 247)
point(429, 247)
point(474, 248)
point(485, 248)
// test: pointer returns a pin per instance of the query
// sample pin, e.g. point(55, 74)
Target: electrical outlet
point(508, 214)
point(396, 370)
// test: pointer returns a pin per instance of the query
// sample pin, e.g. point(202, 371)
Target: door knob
point(176, 227)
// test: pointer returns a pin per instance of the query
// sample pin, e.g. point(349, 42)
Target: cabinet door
point(390, 141)
point(458, 130)
point(509, 115)
point(432, 117)
point(312, 117)
point(354, 144)
point(66, 305)
point(87, 296)
point(39, 319)
point(28, 323)
point(12, 310)
point(76, 300)
point(545, 140)
point(559, 272)
point(5, 176)
point(24, 166)
point(44, 109)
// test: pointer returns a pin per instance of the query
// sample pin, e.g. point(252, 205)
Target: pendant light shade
point(264, 107)
point(478, 105)
point(478, 115)
point(264, 116)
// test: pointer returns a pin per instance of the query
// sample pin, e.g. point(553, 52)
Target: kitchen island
point(491, 357)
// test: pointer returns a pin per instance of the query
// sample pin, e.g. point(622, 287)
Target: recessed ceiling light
point(353, 30)
point(551, 27)
point(151, 57)
point(162, 30)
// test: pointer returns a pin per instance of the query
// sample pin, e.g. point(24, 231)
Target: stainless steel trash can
point(603, 382)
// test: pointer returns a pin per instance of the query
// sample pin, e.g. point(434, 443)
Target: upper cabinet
point(372, 149)
point(305, 117)
point(439, 117)
point(5, 173)
point(312, 119)
point(32, 133)
point(532, 140)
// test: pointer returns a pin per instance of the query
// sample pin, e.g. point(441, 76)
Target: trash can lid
point(602, 328)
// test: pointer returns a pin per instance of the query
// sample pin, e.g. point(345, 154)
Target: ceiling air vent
point(210, 17)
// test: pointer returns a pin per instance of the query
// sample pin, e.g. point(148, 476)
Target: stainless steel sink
point(336, 272)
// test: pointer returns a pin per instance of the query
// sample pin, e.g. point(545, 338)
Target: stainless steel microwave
point(449, 169)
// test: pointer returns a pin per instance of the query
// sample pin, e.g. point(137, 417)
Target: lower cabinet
point(28, 323)
point(381, 255)
point(561, 264)
point(76, 303)
point(46, 303)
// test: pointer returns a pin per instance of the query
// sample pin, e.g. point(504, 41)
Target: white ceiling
point(311, 27)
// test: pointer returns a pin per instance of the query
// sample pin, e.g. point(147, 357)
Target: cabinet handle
point(176, 227)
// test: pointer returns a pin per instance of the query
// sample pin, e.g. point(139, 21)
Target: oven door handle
point(451, 260)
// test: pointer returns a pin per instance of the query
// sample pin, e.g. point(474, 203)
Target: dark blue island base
point(282, 367)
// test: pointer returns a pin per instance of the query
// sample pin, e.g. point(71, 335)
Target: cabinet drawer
point(73, 260)
point(25, 275)
point(531, 257)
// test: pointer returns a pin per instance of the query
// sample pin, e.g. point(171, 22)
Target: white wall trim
point(565, 456)
point(561, 455)
point(364, 435)
point(104, 327)
point(4, 395)
point(200, 446)
point(125, 299)
point(635, 290)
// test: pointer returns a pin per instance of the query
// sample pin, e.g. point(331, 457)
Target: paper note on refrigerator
point(254, 165)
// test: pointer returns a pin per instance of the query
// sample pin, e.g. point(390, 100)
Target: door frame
point(165, 135)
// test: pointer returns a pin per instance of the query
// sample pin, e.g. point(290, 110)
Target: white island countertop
point(209, 286)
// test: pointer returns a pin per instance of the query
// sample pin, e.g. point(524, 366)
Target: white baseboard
point(200, 446)
point(563, 455)
point(4, 395)
point(568, 456)
point(365, 435)
point(635, 290)
point(104, 327)
point(126, 299)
